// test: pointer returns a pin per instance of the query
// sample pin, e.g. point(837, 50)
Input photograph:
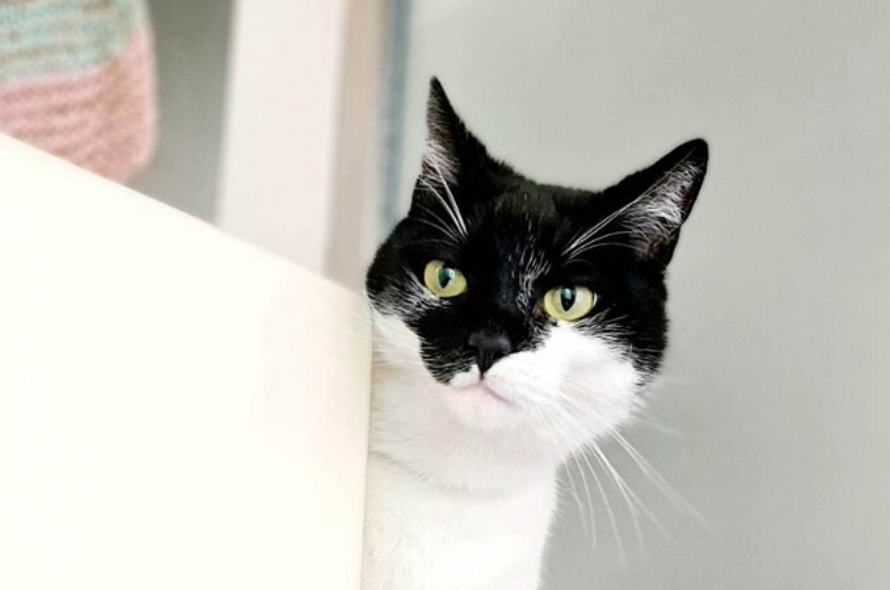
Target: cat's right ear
point(450, 147)
point(441, 155)
point(451, 158)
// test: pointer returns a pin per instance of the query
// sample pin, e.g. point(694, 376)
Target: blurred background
point(298, 126)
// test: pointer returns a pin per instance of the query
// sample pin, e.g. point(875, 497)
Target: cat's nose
point(490, 346)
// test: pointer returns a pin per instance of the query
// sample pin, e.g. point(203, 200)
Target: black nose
point(490, 346)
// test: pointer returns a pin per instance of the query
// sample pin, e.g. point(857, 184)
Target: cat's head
point(524, 307)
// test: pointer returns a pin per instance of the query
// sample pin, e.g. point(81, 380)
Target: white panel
point(280, 131)
point(177, 409)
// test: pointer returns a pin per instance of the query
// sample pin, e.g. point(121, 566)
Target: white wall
point(280, 137)
point(777, 374)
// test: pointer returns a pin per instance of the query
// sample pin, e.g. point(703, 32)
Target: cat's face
point(527, 307)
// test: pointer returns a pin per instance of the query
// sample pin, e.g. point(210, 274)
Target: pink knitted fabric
point(77, 80)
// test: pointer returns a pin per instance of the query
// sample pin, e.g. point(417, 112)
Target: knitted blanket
point(77, 80)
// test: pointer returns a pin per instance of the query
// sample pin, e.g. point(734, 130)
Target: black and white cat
point(515, 323)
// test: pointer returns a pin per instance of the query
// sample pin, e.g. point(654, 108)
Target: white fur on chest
point(421, 537)
point(461, 485)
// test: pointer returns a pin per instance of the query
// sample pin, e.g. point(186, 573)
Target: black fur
point(515, 224)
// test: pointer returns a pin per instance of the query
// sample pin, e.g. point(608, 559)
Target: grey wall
point(777, 377)
point(191, 42)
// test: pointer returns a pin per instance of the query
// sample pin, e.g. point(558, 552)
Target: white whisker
point(453, 212)
point(573, 490)
point(622, 489)
point(630, 495)
point(574, 458)
point(659, 481)
point(457, 213)
point(622, 555)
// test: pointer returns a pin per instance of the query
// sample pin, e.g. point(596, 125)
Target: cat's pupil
point(446, 275)
point(567, 298)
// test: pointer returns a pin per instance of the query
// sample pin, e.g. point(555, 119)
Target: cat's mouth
point(488, 403)
point(482, 389)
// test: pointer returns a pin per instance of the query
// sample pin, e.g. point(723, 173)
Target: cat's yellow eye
point(443, 280)
point(569, 304)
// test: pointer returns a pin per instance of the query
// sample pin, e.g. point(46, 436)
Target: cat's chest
point(423, 538)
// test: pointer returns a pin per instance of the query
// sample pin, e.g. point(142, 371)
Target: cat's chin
point(485, 390)
point(478, 405)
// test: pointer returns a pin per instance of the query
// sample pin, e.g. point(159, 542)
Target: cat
point(514, 323)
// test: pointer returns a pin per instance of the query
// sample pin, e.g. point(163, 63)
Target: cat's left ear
point(652, 204)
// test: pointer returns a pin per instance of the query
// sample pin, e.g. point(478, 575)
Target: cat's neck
point(421, 436)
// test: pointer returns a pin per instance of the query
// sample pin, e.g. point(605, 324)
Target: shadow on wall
point(192, 47)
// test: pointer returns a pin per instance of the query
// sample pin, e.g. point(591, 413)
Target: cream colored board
point(177, 409)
